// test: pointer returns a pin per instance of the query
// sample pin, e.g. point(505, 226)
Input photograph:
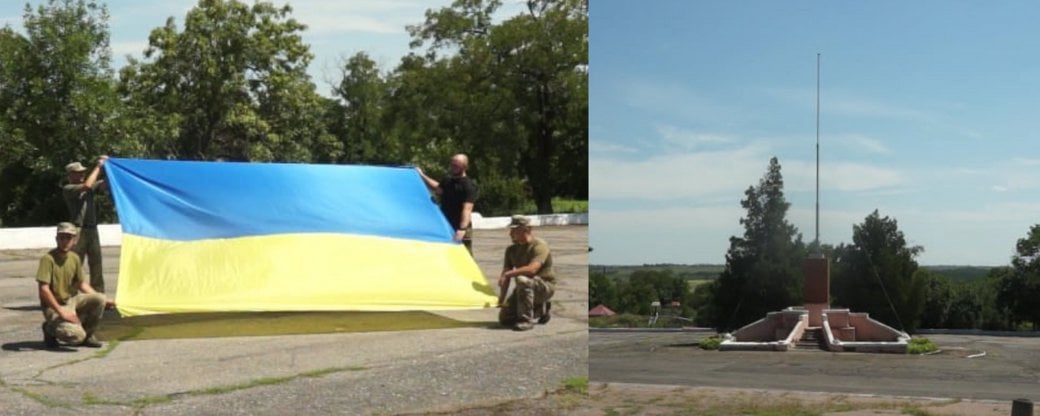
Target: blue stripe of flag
point(183, 200)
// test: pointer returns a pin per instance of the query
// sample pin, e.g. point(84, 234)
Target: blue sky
point(337, 29)
point(930, 113)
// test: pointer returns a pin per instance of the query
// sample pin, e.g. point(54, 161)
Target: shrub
point(920, 345)
point(499, 196)
point(710, 343)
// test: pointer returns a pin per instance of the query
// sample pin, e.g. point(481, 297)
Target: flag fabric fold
point(225, 236)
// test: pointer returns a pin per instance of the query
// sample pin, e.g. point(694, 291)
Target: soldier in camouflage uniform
point(528, 264)
point(79, 199)
point(71, 308)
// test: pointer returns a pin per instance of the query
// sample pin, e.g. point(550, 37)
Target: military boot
point(49, 340)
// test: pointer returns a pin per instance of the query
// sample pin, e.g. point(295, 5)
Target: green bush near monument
point(920, 345)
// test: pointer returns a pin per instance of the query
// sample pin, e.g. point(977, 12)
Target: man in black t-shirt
point(457, 194)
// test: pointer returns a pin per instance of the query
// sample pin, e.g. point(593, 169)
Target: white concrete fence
point(112, 235)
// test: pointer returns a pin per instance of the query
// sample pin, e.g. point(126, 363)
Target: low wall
point(871, 330)
point(777, 326)
point(112, 234)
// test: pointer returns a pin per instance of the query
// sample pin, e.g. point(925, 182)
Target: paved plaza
point(473, 363)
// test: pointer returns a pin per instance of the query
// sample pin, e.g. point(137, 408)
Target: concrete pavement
point(376, 372)
point(968, 367)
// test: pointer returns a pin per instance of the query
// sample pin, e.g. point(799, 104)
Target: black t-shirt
point(455, 191)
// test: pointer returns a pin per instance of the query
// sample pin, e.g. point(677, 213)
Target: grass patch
point(41, 399)
point(325, 371)
point(920, 345)
point(917, 411)
point(263, 381)
point(111, 345)
point(90, 399)
point(268, 381)
point(578, 385)
point(710, 343)
point(150, 400)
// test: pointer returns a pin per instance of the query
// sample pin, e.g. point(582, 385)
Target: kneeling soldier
point(71, 307)
point(529, 263)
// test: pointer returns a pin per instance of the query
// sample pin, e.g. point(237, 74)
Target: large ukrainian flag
point(220, 236)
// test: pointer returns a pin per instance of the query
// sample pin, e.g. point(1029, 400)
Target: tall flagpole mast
point(818, 248)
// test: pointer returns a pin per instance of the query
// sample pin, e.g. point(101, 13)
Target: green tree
point(764, 267)
point(877, 274)
point(57, 104)
point(515, 95)
point(234, 85)
point(602, 290)
point(364, 91)
point(1021, 290)
point(939, 296)
point(635, 296)
point(996, 313)
point(702, 303)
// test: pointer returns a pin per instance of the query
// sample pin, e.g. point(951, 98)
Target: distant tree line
point(877, 273)
point(636, 293)
point(231, 84)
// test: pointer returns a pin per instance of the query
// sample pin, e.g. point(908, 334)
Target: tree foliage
point(57, 104)
point(602, 291)
point(230, 83)
point(763, 267)
point(514, 94)
point(877, 274)
point(1020, 289)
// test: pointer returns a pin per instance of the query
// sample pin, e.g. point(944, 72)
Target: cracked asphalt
point(377, 372)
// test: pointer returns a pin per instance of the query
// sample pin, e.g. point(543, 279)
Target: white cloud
point(998, 188)
point(688, 139)
point(840, 176)
point(835, 225)
point(862, 107)
point(863, 143)
point(663, 235)
point(135, 48)
point(677, 175)
point(674, 100)
point(379, 17)
point(599, 146)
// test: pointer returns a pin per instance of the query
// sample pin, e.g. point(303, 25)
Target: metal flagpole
point(818, 249)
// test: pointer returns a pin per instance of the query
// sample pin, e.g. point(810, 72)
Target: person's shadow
point(30, 345)
point(22, 346)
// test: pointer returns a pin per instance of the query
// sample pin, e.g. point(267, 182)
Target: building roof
point(601, 310)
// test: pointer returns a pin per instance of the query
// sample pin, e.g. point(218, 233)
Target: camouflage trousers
point(89, 250)
point(527, 303)
point(87, 307)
